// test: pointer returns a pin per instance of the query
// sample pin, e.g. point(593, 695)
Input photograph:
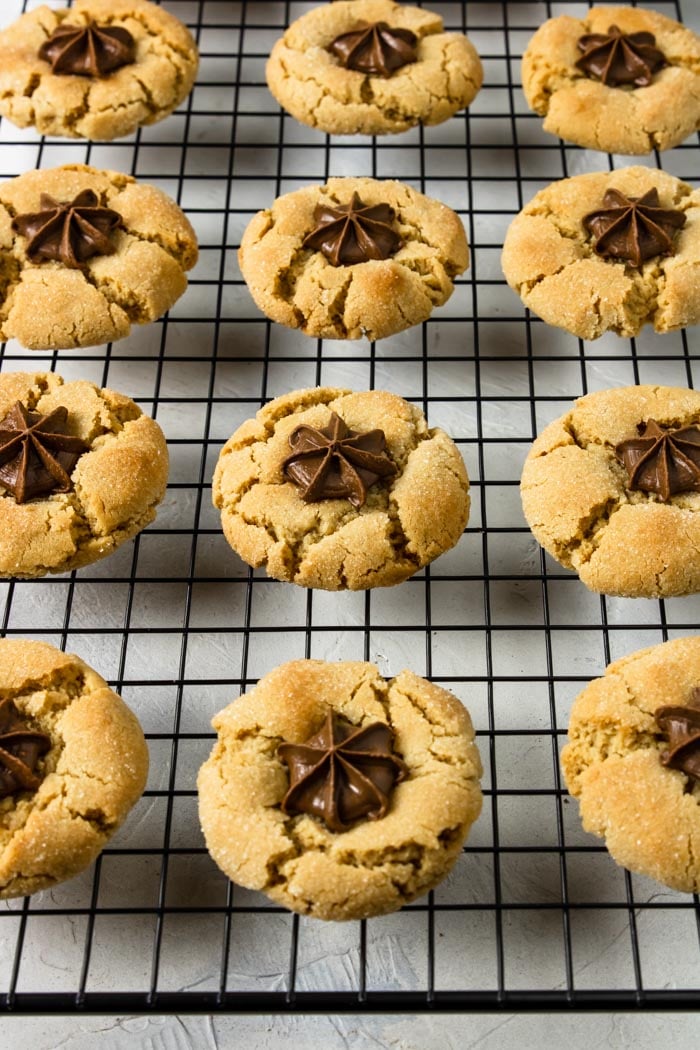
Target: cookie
point(332, 489)
point(85, 254)
point(98, 70)
point(73, 761)
point(355, 258)
point(622, 79)
point(87, 478)
point(612, 491)
point(406, 788)
point(567, 263)
point(372, 67)
point(633, 761)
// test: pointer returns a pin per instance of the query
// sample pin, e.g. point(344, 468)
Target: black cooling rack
point(536, 916)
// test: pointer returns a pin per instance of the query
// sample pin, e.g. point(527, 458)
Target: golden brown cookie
point(88, 768)
point(312, 84)
point(623, 118)
point(648, 812)
point(411, 515)
point(298, 286)
point(111, 488)
point(587, 510)
point(47, 303)
point(550, 259)
point(376, 865)
point(104, 106)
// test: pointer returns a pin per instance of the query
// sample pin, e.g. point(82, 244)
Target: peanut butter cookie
point(355, 258)
point(97, 70)
point(633, 761)
point(612, 491)
point(73, 761)
point(332, 489)
point(337, 793)
point(81, 471)
point(372, 67)
point(622, 79)
point(609, 252)
point(84, 254)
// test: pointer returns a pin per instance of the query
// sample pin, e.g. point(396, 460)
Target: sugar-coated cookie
point(73, 761)
point(573, 257)
point(86, 254)
point(405, 788)
point(81, 471)
point(633, 761)
point(372, 67)
point(354, 258)
point(97, 70)
point(338, 490)
point(612, 491)
point(621, 79)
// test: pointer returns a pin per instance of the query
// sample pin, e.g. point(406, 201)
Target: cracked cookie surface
point(648, 814)
point(311, 84)
point(117, 484)
point(47, 306)
point(92, 775)
point(613, 119)
point(406, 522)
point(299, 287)
point(109, 107)
point(549, 259)
point(376, 866)
point(578, 503)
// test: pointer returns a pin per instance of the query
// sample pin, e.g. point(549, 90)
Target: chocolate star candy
point(662, 460)
point(20, 750)
point(89, 50)
point(376, 49)
point(681, 723)
point(633, 228)
point(36, 456)
point(353, 233)
point(336, 462)
point(68, 232)
point(620, 58)
point(342, 773)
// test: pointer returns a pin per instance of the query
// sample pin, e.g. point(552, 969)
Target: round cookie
point(90, 770)
point(109, 106)
point(310, 82)
point(414, 513)
point(549, 258)
point(579, 500)
point(48, 303)
point(376, 865)
point(647, 812)
point(617, 119)
point(116, 475)
point(298, 286)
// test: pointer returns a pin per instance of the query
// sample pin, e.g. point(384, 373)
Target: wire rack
point(535, 916)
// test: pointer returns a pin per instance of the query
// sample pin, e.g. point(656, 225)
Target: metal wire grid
point(536, 915)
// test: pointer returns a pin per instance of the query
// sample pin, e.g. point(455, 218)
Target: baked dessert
point(355, 258)
point(612, 491)
point(85, 254)
point(81, 471)
point(332, 489)
point(633, 761)
point(73, 761)
point(97, 70)
point(372, 67)
point(609, 252)
point(621, 79)
point(337, 793)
